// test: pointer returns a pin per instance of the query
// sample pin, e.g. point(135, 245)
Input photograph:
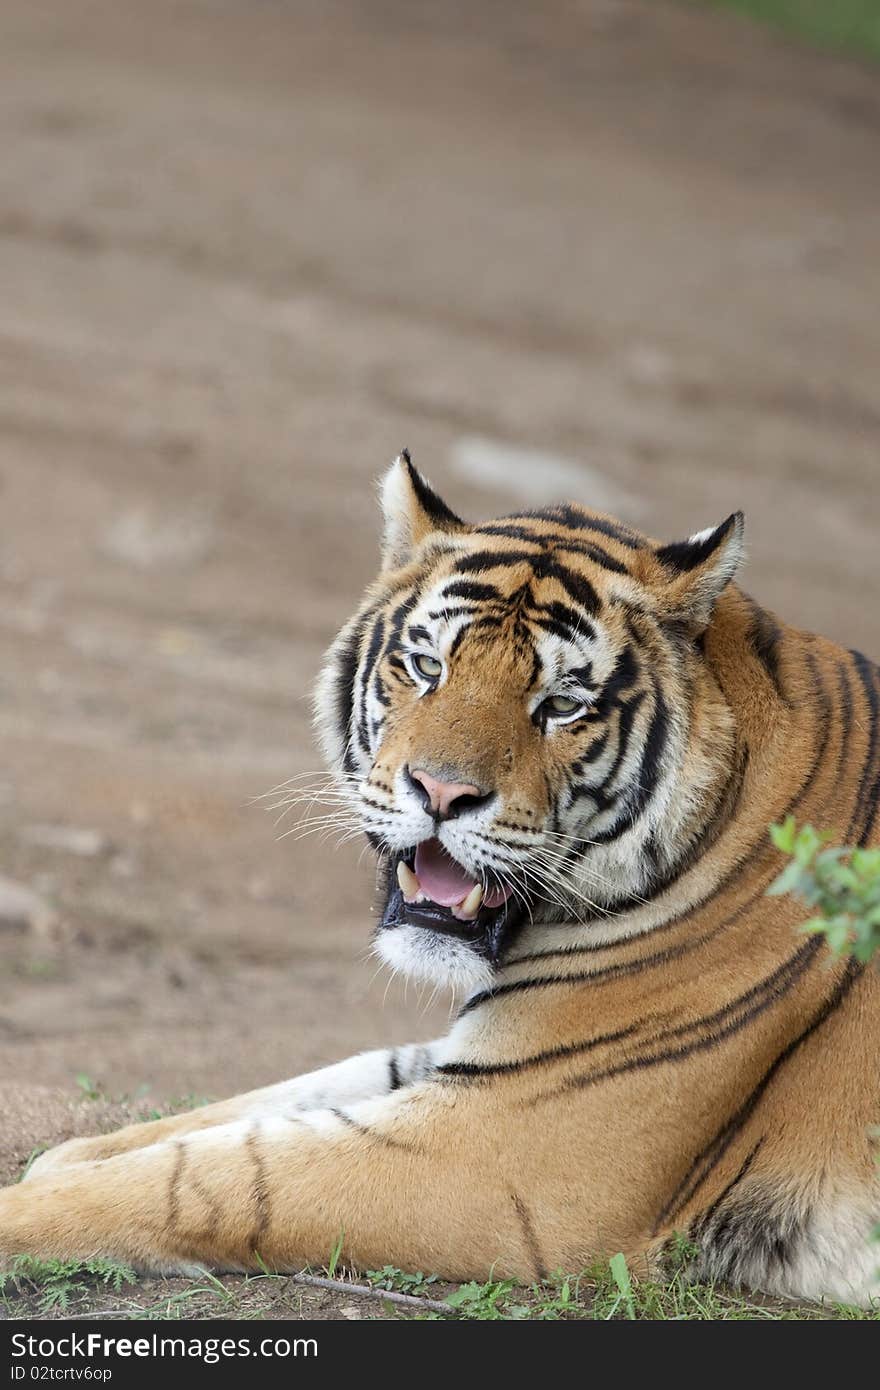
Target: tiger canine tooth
point(409, 884)
point(471, 905)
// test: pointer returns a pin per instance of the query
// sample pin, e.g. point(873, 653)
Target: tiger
point(565, 742)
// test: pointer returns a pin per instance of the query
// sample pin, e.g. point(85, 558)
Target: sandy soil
point(247, 250)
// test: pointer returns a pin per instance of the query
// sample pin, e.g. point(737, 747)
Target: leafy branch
point(841, 885)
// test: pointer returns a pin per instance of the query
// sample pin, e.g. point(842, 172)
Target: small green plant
point(841, 885)
point(335, 1253)
point(178, 1105)
point(89, 1089)
point(489, 1302)
point(396, 1280)
point(622, 1278)
point(31, 1160)
point(58, 1281)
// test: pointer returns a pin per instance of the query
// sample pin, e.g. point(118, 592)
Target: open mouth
point(431, 889)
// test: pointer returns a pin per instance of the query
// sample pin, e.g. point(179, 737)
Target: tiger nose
point(446, 800)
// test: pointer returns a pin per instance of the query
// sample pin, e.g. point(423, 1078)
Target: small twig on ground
point(407, 1300)
point(314, 1281)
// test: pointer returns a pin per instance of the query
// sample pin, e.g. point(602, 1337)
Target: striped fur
point(651, 1048)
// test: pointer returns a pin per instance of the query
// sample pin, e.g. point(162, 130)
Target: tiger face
point(522, 719)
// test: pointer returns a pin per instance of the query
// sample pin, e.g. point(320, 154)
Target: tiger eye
point(427, 666)
point(562, 704)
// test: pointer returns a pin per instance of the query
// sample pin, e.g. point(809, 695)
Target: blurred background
point(622, 251)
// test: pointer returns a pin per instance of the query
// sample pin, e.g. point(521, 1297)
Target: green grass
point(610, 1292)
point(58, 1282)
point(607, 1292)
point(178, 1105)
point(88, 1088)
point(850, 25)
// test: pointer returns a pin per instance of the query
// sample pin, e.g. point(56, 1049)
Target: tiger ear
point(412, 511)
point(695, 572)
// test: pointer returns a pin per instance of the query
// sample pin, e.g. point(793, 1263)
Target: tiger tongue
point(440, 878)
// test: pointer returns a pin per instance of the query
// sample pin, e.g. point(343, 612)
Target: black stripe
point(346, 672)
point(377, 806)
point(399, 617)
point(379, 691)
point(489, 620)
point(573, 622)
point(767, 993)
point(578, 519)
point(765, 635)
point(529, 1238)
point(577, 586)
point(537, 1059)
point(560, 630)
point(536, 671)
point(709, 1156)
point(761, 995)
point(445, 614)
point(623, 677)
point(604, 795)
point(470, 589)
point(826, 712)
point(377, 637)
point(557, 541)
point(435, 507)
point(173, 1199)
point(215, 1208)
point(457, 641)
point(646, 779)
point(368, 1132)
point(744, 1169)
point(399, 666)
point(846, 709)
point(480, 561)
point(608, 562)
point(774, 985)
point(591, 754)
point(260, 1188)
point(866, 797)
point(394, 1081)
point(662, 957)
point(544, 566)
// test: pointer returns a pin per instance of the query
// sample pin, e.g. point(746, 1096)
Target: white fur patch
point(699, 536)
point(397, 505)
point(839, 1260)
point(434, 959)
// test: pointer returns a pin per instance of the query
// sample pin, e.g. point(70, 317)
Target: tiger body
point(647, 1046)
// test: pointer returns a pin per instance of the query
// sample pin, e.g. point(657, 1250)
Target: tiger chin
point(565, 742)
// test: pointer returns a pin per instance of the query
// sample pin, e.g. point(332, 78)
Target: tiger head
point(522, 719)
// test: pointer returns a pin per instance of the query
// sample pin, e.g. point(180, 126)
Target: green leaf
point(621, 1276)
point(335, 1254)
point(783, 836)
point(788, 881)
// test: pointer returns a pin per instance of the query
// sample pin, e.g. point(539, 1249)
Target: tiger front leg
point(404, 1180)
point(368, 1075)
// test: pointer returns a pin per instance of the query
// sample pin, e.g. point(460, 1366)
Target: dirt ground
point(623, 251)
